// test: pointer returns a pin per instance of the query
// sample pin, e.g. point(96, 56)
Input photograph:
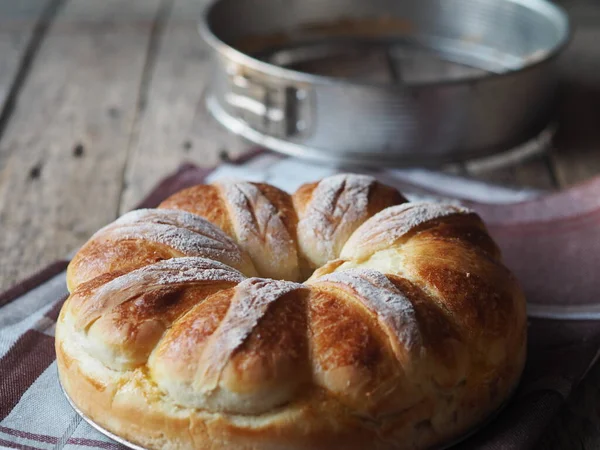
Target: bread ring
point(189, 327)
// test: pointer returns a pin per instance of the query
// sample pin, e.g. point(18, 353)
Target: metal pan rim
point(549, 9)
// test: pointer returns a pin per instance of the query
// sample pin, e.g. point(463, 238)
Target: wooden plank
point(577, 155)
point(23, 25)
point(69, 134)
point(531, 173)
point(527, 166)
point(175, 126)
point(18, 22)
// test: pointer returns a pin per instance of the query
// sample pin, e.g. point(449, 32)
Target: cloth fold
point(551, 242)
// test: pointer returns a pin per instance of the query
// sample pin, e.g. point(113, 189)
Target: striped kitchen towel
point(552, 243)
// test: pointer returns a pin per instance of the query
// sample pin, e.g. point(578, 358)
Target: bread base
point(130, 409)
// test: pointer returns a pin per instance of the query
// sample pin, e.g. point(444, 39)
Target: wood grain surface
point(100, 99)
point(23, 27)
point(110, 99)
point(65, 144)
point(174, 126)
point(530, 165)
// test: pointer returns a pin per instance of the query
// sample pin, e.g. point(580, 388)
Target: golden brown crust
point(146, 236)
point(258, 216)
point(303, 196)
point(282, 201)
point(479, 293)
point(332, 209)
point(205, 201)
point(415, 335)
point(202, 362)
point(352, 357)
point(382, 196)
point(466, 228)
point(96, 258)
point(441, 337)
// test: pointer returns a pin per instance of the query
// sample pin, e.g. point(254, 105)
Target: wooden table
point(100, 99)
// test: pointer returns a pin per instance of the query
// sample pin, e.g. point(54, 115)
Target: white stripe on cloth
point(28, 311)
point(289, 173)
point(42, 411)
point(44, 419)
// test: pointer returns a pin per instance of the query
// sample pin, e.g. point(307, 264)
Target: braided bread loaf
point(408, 332)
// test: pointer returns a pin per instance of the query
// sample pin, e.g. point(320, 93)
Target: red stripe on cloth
point(22, 365)
point(97, 444)
point(20, 446)
point(32, 282)
point(31, 436)
point(53, 312)
point(53, 439)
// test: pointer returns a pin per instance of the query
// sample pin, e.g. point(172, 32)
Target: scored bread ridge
point(390, 225)
point(260, 230)
point(120, 321)
point(259, 217)
point(249, 304)
point(240, 366)
point(382, 298)
point(176, 271)
point(185, 234)
point(336, 205)
point(333, 208)
point(415, 335)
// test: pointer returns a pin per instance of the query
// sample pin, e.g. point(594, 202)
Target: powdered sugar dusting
point(171, 272)
point(182, 231)
point(260, 230)
point(394, 310)
point(249, 304)
point(388, 226)
point(338, 206)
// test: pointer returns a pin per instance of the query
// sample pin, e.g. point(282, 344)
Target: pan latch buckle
point(280, 111)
